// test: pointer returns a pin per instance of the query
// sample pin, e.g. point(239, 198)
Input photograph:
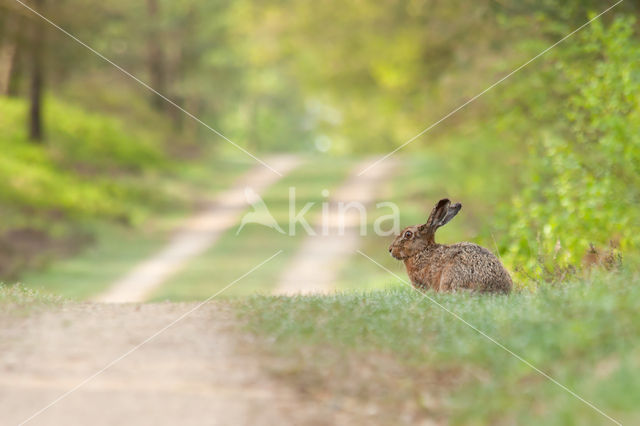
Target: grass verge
point(16, 300)
point(395, 355)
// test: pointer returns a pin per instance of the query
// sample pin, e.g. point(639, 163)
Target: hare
point(448, 267)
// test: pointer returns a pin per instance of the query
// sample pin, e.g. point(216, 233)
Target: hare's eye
point(408, 234)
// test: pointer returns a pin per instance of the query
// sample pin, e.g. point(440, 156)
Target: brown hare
point(448, 267)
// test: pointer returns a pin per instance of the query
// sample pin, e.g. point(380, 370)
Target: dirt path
point(315, 266)
point(196, 235)
point(194, 373)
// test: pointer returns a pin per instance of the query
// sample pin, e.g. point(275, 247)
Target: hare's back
point(472, 266)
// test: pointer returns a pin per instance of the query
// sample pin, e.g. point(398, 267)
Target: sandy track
point(196, 235)
point(315, 266)
point(195, 373)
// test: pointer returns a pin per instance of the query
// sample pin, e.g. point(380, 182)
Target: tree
point(36, 84)
point(8, 51)
point(156, 56)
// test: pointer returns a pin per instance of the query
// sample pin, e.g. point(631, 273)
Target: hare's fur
point(448, 267)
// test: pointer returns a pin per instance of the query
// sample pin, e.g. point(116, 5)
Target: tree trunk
point(17, 73)
point(156, 60)
point(36, 76)
point(7, 54)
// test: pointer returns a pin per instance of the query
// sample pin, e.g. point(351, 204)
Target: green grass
point(234, 254)
point(584, 334)
point(117, 250)
point(19, 300)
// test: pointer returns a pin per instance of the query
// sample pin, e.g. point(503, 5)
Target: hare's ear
point(428, 230)
point(452, 210)
point(441, 214)
point(438, 214)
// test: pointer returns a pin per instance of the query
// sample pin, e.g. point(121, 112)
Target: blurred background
point(96, 171)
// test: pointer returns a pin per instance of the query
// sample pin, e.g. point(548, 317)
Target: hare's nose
point(389, 249)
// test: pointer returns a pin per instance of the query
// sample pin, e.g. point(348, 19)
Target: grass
point(407, 358)
point(17, 300)
point(117, 249)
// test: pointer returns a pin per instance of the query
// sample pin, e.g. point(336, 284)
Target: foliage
point(583, 168)
point(97, 176)
point(553, 165)
point(74, 173)
point(547, 160)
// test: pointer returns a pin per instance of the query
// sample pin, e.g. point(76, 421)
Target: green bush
point(553, 165)
point(582, 178)
point(80, 171)
point(94, 142)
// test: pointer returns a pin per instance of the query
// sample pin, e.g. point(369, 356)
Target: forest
point(549, 158)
